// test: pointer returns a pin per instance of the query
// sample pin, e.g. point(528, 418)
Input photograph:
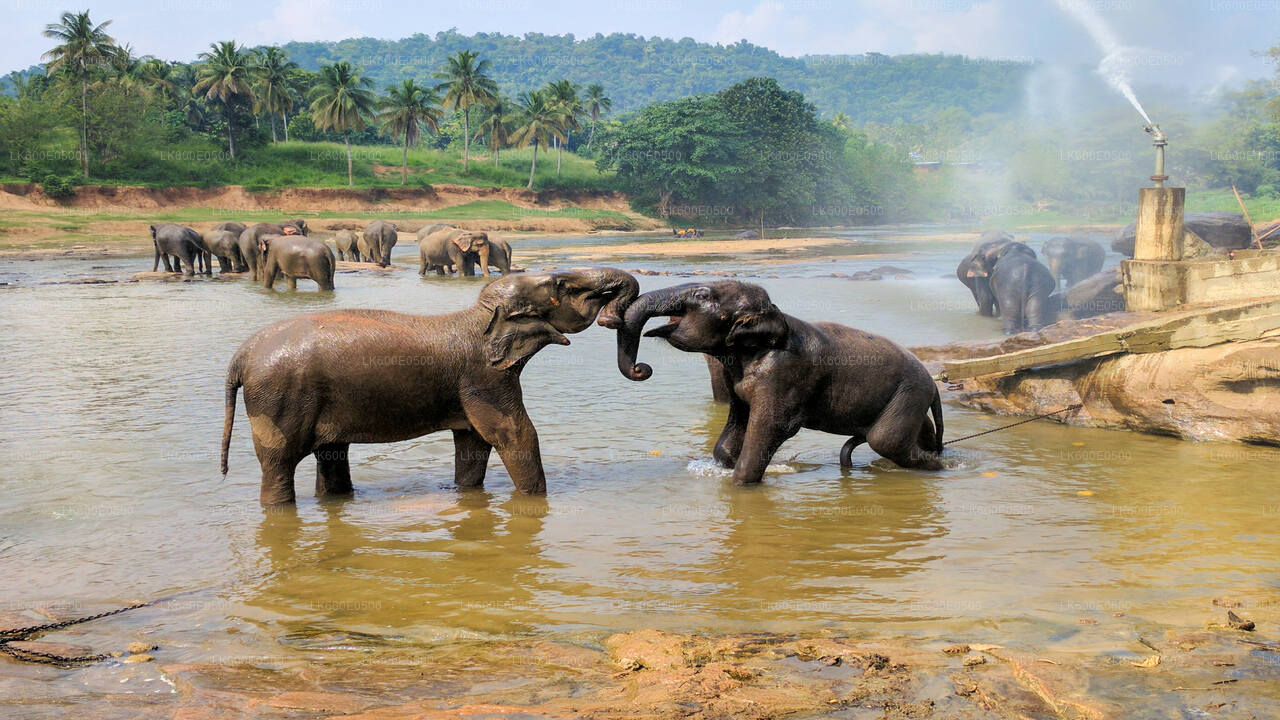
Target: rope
point(1077, 406)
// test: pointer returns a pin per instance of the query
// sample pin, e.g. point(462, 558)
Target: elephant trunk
point(668, 301)
point(622, 286)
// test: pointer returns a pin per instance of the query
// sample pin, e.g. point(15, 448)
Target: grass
point(1261, 209)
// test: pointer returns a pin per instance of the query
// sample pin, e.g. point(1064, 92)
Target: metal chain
point(1077, 406)
point(35, 656)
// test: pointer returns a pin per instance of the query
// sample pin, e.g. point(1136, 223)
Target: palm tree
point(160, 77)
point(497, 126)
point(543, 122)
point(271, 71)
point(403, 110)
point(225, 76)
point(564, 94)
point(466, 84)
point(841, 122)
point(596, 105)
point(340, 102)
point(83, 44)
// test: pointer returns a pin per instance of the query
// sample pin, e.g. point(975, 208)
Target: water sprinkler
point(1159, 141)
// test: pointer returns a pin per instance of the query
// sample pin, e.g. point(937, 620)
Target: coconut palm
point(564, 95)
point(225, 76)
point(160, 77)
point(543, 122)
point(466, 84)
point(404, 111)
point(596, 105)
point(498, 126)
point(271, 71)
point(340, 102)
point(83, 45)
point(841, 122)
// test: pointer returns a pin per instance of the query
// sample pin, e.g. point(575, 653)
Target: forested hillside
point(639, 71)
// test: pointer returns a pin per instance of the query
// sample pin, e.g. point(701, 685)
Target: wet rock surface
point(1221, 230)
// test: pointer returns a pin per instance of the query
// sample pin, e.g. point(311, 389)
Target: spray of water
point(1115, 64)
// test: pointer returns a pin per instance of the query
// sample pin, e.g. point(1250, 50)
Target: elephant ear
point(767, 329)
point(513, 336)
point(462, 241)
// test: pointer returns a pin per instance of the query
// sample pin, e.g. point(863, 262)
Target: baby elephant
point(317, 383)
point(296, 256)
point(785, 374)
point(348, 245)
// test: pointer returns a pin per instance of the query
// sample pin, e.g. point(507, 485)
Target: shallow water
point(110, 419)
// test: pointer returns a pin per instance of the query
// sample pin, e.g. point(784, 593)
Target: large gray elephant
point(380, 236)
point(423, 233)
point(1072, 259)
point(979, 286)
point(347, 245)
point(1021, 285)
point(315, 384)
point(179, 242)
point(456, 247)
point(225, 245)
point(785, 374)
point(233, 226)
point(296, 256)
point(250, 249)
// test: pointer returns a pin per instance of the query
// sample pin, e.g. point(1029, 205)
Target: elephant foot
point(333, 471)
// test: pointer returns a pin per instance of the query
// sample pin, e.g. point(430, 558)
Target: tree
point(271, 73)
point(564, 94)
point(841, 122)
point(403, 111)
point(83, 45)
point(340, 102)
point(225, 77)
point(542, 124)
point(498, 126)
point(597, 105)
point(466, 83)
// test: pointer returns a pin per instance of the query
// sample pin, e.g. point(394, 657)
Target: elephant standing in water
point(1072, 259)
point(978, 286)
point(317, 383)
point(225, 245)
point(785, 374)
point(250, 249)
point(380, 237)
point(1020, 285)
point(347, 245)
point(296, 256)
point(461, 248)
point(183, 244)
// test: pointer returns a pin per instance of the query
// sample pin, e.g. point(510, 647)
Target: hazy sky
point(1183, 42)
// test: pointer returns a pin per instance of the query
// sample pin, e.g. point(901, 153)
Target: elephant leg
point(156, 265)
point(333, 470)
point(1013, 319)
point(721, 384)
point(509, 429)
point(470, 458)
point(440, 270)
point(846, 450)
point(767, 428)
point(224, 264)
point(729, 445)
point(164, 257)
point(268, 272)
point(208, 262)
point(293, 281)
point(189, 261)
point(484, 261)
point(1037, 312)
point(897, 432)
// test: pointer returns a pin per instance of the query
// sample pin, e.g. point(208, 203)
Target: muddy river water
point(110, 417)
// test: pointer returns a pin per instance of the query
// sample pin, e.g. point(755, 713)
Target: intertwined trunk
point(664, 302)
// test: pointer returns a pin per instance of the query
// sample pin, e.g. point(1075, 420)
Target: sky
point(1200, 44)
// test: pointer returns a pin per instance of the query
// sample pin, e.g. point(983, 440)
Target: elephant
point(1072, 259)
point(296, 256)
point(1019, 283)
point(235, 227)
point(499, 256)
point(348, 245)
point(225, 245)
point(315, 384)
point(182, 243)
point(250, 250)
point(454, 246)
point(785, 374)
point(979, 286)
point(422, 234)
point(381, 236)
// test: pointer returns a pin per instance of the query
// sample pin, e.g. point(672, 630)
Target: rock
point(747, 235)
point(974, 659)
point(864, 275)
point(957, 649)
point(1194, 247)
point(1235, 622)
point(320, 702)
point(1223, 230)
point(140, 647)
point(891, 270)
point(62, 650)
point(139, 658)
point(1095, 295)
point(18, 620)
point(652, 649)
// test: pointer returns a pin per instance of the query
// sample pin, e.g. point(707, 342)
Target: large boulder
point(1222, 230)
point(1097, 294)
point(747, 235)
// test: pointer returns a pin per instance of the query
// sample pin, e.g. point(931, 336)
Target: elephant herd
point(315, 384)
point(1008, 281)
point(267, 251)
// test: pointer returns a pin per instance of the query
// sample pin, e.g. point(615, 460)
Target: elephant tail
point(936, 409)
point(233, 386)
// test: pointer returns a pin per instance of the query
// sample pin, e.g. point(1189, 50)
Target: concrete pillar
point(1159, 232)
